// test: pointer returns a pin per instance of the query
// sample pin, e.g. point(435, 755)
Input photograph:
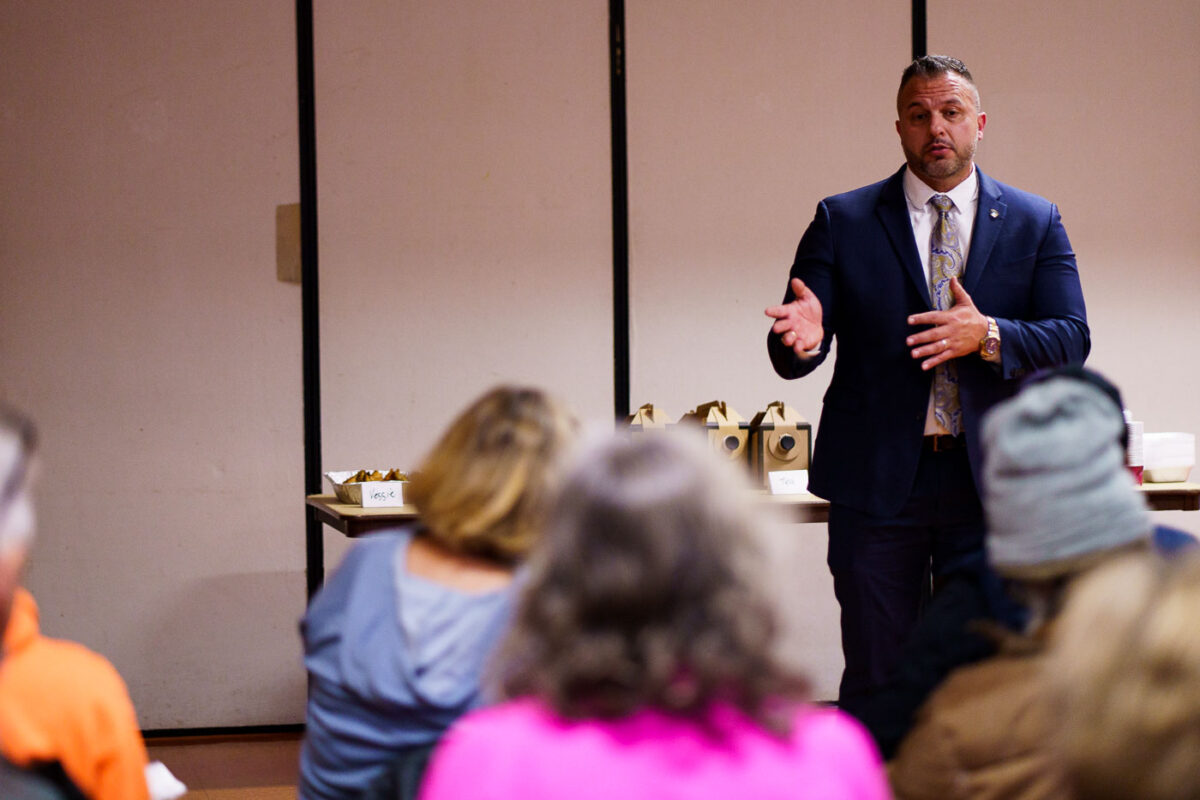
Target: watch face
point(990, 346)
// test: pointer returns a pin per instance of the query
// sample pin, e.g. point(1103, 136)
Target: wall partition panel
point(465, 215)
point(144, 147)
point(741, 117)
point(1104, 119)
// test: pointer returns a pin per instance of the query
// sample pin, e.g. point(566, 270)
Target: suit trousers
point(882, 566)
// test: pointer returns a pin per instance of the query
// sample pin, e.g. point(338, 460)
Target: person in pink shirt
point(641, 660)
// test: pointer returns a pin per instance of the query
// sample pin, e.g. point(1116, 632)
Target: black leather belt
point(943, 442)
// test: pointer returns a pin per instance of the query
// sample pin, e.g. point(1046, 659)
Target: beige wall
point(466, 240)
point(466, 223)
point(741, 117)
point(144, 148)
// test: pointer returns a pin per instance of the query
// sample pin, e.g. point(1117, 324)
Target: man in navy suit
point(940, 271)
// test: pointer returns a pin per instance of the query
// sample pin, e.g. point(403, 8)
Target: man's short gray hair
point(932, 67)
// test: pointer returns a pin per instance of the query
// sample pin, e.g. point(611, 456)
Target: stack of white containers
point(1169, 457)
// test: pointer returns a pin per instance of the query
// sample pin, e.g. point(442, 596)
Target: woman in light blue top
point(396, 639)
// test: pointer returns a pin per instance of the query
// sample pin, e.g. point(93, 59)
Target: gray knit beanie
point(1057, 494)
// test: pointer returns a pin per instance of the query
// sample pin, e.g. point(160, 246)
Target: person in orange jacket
point(59, 701)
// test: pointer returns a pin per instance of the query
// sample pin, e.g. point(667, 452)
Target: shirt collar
point(917, 192)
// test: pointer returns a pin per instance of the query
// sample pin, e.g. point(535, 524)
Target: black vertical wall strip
point(620, 208)
point(919, 28)
point(314, 545)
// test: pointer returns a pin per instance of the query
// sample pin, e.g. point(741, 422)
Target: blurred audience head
point(483, 488)
point(1056, 493)
point(1091, 377)
point(644, 592)
point(1125, 665)
point(18, 446)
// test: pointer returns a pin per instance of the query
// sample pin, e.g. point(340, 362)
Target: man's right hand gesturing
point(799, 322)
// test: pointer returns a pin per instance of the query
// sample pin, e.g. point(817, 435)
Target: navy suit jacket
point(860, 257)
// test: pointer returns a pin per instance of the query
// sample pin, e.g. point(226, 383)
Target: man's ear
point(982, 123)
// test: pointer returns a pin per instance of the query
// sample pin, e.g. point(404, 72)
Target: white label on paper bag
point(382, 494)
point(788, 481)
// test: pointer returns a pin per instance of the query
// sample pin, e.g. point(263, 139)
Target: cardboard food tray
point(350, 493)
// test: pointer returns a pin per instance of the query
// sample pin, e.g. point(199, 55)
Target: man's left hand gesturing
point(956, 331)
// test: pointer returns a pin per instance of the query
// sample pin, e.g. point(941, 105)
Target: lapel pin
point(993, 213)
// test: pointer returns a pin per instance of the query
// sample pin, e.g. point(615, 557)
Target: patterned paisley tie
point(945, 262)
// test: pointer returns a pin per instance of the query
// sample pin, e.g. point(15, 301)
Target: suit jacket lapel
point(989, 221)
point(893, 213)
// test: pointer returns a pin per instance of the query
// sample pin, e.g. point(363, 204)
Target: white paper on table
point(382, 494)
point(788, 481)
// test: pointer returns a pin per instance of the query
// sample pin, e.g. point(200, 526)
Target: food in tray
point(364, 475)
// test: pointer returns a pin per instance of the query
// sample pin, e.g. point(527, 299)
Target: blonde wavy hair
point(483, 487)
point(1125, 667)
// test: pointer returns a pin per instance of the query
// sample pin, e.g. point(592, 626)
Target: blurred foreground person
point(641, 661)
point(395, 641)
point(949, 634)
point(1125, 666)
point(64, 711)
point(1058, 501)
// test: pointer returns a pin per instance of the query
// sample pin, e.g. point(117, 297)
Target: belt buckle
point(950, 442)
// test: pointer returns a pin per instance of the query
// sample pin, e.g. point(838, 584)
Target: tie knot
point(942, 202)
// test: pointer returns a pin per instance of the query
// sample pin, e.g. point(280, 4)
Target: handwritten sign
point(382, 494)
point(788, 481)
